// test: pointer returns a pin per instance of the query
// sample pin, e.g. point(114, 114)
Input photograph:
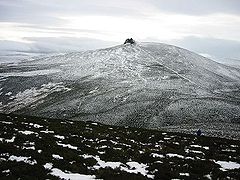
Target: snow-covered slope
point(143, 85)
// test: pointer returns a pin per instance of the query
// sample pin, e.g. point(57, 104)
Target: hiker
point(199, 132)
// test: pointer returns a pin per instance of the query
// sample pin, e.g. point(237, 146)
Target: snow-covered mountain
point(148, 85)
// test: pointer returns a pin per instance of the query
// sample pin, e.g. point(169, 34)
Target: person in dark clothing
point(199, 132)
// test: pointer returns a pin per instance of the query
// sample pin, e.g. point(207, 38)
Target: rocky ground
point(40, 148)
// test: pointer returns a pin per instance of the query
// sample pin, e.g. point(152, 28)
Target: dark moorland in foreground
point(40, 148)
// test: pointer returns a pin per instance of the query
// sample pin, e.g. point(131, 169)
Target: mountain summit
point(149, 85)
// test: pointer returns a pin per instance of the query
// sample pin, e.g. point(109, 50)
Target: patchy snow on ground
point(155, 155)
point(229, 150)
point(131, 167)
point(195, 145)
point(228, 165)
point(194, 151)
point(6, 122)
point(48, 166)
point(174, 155)
point(184, 174)
point(208, 176)
point(136, 168)
point(8, 140)
point(103, 164)
point(198, 146)
point(29, 145)
point(21, 158)
point(59, 137)
point(72, 176)
point(36, 125)
point(26, 132)
point(47, 131)
point(56, 156)
point(6, 171)
point(67, 145)
point(151, 154)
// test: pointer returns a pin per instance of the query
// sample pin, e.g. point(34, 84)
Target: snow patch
point(48, 166)
point(6, 122)
point(69, 175)
point(6, 171)
point(8, 140)
point(36, 125)
point(47, 131)
point(174, 155)
point(59, 137)
point(27, 132)
point(228, 150)
point(72, 176)
point(31, 147)
point(68, 146)
point(136, 168)
point(193, 151)
point(131, 167)
point(198, 146)
point(155, 155)
point(228, 165)
point(23, 159)
point(208, 176)
point(184, 174)
point(57, 156)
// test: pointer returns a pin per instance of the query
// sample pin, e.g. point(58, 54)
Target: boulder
point(129, 41)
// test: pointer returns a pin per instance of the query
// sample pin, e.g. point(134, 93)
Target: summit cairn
point(129, 41)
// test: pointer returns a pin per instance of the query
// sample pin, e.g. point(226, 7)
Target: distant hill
point(231, 62)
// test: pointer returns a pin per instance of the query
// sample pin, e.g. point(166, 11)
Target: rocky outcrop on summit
point(130, 41)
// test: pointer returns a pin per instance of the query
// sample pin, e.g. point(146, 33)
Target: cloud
point(194, 7)
point(48, 12)
point(23, 11)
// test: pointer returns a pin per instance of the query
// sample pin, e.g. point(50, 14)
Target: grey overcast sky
point(208, 27)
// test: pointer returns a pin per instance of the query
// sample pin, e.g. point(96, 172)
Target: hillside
point(151, 85)
point(32, 148)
